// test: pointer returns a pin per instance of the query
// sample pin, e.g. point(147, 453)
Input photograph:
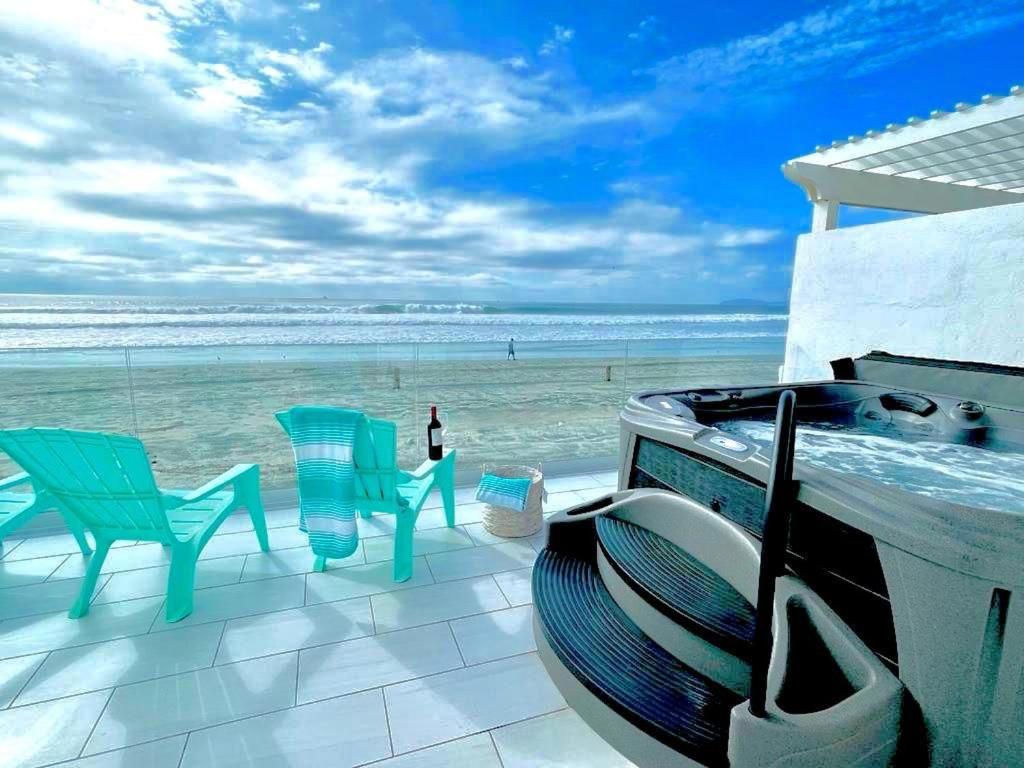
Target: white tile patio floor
point(278, 666)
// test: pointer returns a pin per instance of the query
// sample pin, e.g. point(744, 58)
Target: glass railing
point(200, 410)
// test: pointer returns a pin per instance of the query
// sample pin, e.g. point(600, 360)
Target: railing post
point(778, 506)
point(131, 389)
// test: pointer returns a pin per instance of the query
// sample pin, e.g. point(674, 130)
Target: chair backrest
point(375, 457)
point(104, 480)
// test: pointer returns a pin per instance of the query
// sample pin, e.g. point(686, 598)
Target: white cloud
point(310, 7)
point(743, 237)
point(844, 39)
point(645, 29)
point(24, 135)
point(273, 74)
point(225, 91)
point(422, 97)
point(516, 62)
point(238, 10)
point(119, 31)
point(558, 40)
point(171, 162)
point(309, 65)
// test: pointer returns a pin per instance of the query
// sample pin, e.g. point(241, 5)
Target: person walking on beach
point(511, 349)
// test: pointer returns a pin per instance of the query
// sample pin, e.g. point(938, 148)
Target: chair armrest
point(231, 477)
point(430, 467)
point(13, 481)
point(284, 418)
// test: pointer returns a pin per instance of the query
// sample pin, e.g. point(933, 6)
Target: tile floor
point(278, 666)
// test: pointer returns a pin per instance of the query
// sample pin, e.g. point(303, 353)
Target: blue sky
point(576, 151)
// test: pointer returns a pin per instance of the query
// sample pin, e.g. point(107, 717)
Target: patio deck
point(278, 666)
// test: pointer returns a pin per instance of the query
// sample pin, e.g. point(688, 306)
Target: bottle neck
point(433, 412)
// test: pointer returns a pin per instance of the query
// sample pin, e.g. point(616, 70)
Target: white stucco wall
point(947, 286)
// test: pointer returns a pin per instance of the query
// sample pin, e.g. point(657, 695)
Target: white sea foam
point(76, 322)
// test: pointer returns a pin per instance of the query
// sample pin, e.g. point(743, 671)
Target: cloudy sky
point(487, 149)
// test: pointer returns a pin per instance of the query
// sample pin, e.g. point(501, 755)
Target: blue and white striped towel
point(508, 492)
point(323, 440)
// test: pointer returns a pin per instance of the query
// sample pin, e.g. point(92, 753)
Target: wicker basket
point(511, 523)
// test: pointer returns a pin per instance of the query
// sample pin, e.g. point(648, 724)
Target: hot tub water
point(962, 474)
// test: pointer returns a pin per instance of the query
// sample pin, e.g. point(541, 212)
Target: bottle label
point(435, 436)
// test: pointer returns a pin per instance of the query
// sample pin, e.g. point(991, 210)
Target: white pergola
point(972, 157)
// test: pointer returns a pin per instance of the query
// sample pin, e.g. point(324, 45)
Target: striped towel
point(508, 492)
point(323, 440)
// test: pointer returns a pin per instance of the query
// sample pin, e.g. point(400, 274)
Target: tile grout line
point(92, 730)
point(268, 613)
point(247, 554)
point(430, 571)
point(21, 690)
point(298, 660)
point(477, 733)
point(156, 618)
point(184, 749)
point(220, 641)
point(387, 721)
point(490, 733)
point(8, 549)
point(373, 616)
point(59, 566)
point(188, 734)
point(297, 652)
point(153, 623)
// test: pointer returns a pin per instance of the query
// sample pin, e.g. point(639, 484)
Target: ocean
point(33, 323)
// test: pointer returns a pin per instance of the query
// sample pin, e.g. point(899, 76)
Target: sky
point(488, 149)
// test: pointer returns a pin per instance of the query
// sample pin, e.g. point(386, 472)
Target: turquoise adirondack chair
point(376, 483)
point(18, 507)
point(106, 482)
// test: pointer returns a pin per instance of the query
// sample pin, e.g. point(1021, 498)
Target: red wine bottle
point(434, 448)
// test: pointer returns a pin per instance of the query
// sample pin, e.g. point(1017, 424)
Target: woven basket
point(511, 523)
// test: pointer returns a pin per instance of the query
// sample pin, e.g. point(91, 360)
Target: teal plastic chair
point(106, 482)
point(18, 507)
point(380, 486)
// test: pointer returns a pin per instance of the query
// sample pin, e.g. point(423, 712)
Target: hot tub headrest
point(986, 382)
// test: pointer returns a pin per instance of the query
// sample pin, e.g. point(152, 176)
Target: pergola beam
point(824, 183)
point(972, 157)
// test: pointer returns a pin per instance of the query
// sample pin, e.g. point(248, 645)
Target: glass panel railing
point(682, 363)
point(555, 401)
point(81, 389)
point(199, 410)
point(204, 409)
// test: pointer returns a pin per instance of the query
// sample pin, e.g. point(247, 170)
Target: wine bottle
point(434, 447)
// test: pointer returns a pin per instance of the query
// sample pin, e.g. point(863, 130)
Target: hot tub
point(908, 522)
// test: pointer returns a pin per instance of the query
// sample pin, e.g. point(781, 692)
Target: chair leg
point(319, 564)
point(92, 573)
point(180, 583)
point(255, 505)
point(78, 531)
point(406, 523)
point(446, 482)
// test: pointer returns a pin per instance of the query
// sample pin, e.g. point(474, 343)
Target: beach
point(198, 419)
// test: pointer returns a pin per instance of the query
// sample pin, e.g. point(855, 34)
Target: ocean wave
point(255, 309)
point(10, 312)
point(113, 322)
point(418, 309)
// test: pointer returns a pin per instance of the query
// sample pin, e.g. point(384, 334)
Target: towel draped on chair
point(323, 440)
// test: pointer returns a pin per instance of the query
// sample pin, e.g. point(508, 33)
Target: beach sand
point(198, 420)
